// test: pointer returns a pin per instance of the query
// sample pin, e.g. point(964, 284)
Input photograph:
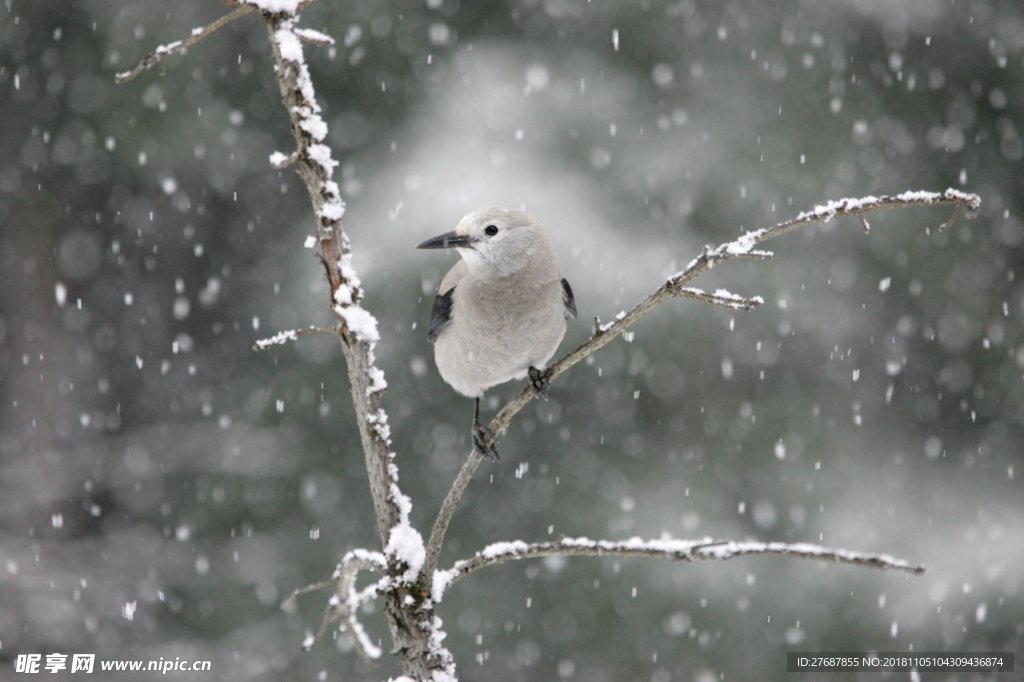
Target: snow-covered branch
point(676, 550)
point(283, 337)
point(675, 286)
point(162, 52)
point(357, 330)
point(344, 606)
point(415, 631)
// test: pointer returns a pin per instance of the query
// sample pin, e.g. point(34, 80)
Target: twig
point(720, 298)
point(677, 550)
point(345, 604)
point(283, 337)
point(740, 248)
point(289, 603)
point(952, 219)
point(314, 37)
point(281, 161)
point(160, 54)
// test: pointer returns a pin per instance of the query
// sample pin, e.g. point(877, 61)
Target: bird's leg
point(483, 439)
point(539, 381)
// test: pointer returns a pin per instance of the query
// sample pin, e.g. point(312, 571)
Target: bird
point(500, 312)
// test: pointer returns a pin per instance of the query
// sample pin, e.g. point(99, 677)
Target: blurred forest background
point(163, 487)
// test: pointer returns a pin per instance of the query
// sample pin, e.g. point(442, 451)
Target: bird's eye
point(491, 230)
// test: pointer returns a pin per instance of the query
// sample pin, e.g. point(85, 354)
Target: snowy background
point(163, 488)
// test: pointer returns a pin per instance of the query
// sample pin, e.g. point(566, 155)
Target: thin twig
point(161, 53)
point(283, 337)
point(952, 219)
point(290, 602)
point(308, 35)
point(345, 604)
point(677, 550)
point(721, 298)
point(743, 247)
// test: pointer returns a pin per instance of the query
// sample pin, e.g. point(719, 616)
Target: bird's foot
point(539, 381)
point(483, 441)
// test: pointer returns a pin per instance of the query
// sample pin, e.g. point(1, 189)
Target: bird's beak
point(448, 240)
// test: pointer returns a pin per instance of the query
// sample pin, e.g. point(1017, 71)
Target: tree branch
point(415, 630)
point(281, 338)
point(345, 604)
point(740, 248)
point(676, 550)
point(357, 329)
point(161, 53)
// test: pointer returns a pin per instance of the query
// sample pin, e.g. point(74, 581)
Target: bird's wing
point(568, 299)
point(440, 314)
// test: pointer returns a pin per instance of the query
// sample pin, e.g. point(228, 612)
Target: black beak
point(448, 240)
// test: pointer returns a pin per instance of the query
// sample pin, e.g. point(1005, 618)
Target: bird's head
point(494, 242)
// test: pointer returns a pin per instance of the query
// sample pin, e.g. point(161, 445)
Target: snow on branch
point(344, 605)
point(743, 248)
point(161, 53)
point(721, 297)
point(283, 337)
point(314, 163)
point(417, 634)
point(314, 37)
point(677, 550)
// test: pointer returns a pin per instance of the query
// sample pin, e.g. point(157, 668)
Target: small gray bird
point(500, 312)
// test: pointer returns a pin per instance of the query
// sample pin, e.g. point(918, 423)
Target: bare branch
point(676, 550)
point(952, 219)
point(289, 603)
point(740, 248)
point(281, 338)
point(864, 223)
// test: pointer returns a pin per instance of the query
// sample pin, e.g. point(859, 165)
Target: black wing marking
point(440, 314)
point(568, 299)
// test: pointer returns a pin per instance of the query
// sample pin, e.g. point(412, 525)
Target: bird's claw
point(539, 381)
point(483, 441)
